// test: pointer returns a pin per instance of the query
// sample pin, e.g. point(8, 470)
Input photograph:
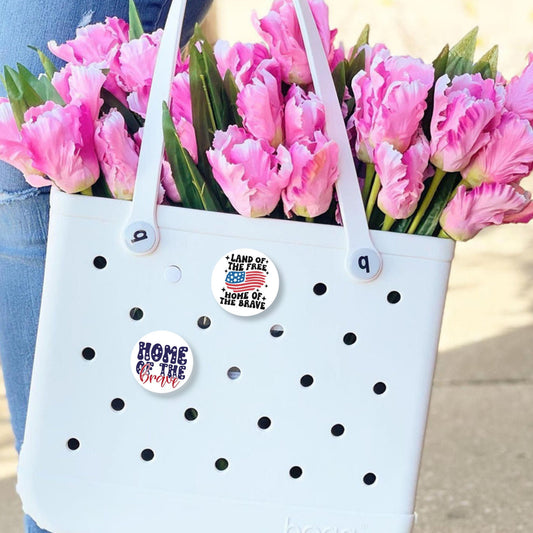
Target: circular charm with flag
point(245, 282)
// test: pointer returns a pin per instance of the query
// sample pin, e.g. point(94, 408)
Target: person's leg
point(24, 210)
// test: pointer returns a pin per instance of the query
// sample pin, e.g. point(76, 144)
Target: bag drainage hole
point(73, 444)
point(234, 373)
point(380, 388)
point(88, 354)
point(337, 430)
point(136, 313)
point(394, 297)
point(221, 464)
point(191, 414)
point(320, 288)
point(349, 339)
point(147, 454)
point(204, 322)
point(307, 380)
point(264, 422)
point(369, 479)
point(118, 404)
point(276, 331)
point(296, 472)
point(100, 262)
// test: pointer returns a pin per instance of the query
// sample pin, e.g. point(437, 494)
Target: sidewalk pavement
point(477, 469)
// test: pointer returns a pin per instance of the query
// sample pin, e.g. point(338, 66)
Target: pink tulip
point(390, 102)
point(491, 203)
point(180, 97)
point(312, 169)
point(79, 84)
point(304, 114)
point(12, 147)
point(465, 113)
point(402, 176)
point(60, 141)
point(247, 170)
point(240, 59)
point(281, 32)
point(118, 155)
point(507, 157)
point(260, 104)
point(519, 91)
point(94, 44)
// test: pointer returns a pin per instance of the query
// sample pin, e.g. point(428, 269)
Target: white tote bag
point(298, 408)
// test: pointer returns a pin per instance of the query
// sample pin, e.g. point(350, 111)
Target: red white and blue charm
point(245, 282)
point(162, 362)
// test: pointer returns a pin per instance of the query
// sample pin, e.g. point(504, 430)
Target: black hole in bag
point(191, 414)
point(136, 313)
point(307, 380)
point(147, 454)
point(73, 444)
point(276, 331)
point(369, 479)
point(88, 354)
point(204, 322)
point(296, 472)
point(394, 297)
point(349, 339)
point(118, 404)
point(380, 388)
point(264, 422)
point(234, 373)
point(320, 288)
point(337, 430)
point(221, 464)
point(100, 262)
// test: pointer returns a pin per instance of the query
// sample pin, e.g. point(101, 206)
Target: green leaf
point(15, 95)
point(49, 68)
point(100, 188)
point(136, 27)
point(189, 181)
point(232, 92)
point(41, 86)
point(440, 200)
point(461, 58)
point(487, 65)
point(339, 79)
point(132, 120)
point(363, 39)
point(354, 66)
point(439, 65)
point(30, 96)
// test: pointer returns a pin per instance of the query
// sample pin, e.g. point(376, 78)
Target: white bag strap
point(363, 261)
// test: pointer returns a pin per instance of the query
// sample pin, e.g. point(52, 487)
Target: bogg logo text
point(291, 527)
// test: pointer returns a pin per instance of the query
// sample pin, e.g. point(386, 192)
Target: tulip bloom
point(491, 203)
point(519, 91)
point(117, 154)
point(240, 59)
point(312, 170)
point(507, 157)
point(247, 170)
point(281, 31)
point(12, 147)
point(60, 141)
point(94, 44)
point(465, 113)
point(80, 85)
point(304, 115)
point(402, 176)
point(260, 104)
point(390, 102)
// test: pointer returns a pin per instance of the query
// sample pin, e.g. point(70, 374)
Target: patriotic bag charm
point(219, 373)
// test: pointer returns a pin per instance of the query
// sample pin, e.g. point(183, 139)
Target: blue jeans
point(23, 209)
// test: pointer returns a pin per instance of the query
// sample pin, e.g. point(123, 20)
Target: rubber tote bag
point(298, 359)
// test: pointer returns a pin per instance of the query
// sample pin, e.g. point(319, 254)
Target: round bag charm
point(245, 282)
point(161, 362)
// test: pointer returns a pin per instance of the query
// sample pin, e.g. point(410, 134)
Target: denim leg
point(24, 210)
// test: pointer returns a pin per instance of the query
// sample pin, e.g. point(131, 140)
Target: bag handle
point(363, 261)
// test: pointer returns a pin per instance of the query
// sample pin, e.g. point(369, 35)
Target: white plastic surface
point(105, 486)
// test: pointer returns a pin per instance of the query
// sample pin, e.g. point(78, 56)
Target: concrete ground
point(477, 469)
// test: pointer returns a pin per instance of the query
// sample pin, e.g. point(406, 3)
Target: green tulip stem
point(87, 192)
point(437, 178)
point(388, 223)
point(443, 235)
point(373, 196)
point(309, 219)
point(370, 171)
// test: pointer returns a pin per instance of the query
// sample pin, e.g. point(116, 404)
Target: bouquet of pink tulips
point(441, 148)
